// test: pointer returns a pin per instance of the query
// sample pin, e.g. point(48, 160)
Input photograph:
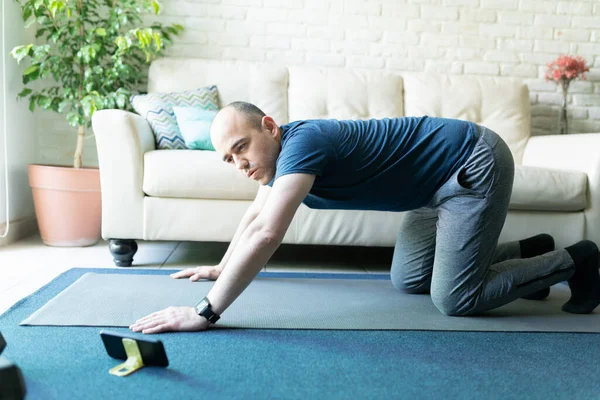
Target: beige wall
point(22, 145)
point(515, 38)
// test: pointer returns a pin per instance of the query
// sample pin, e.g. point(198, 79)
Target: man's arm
point(247, 219)
point(260, 240)
point(255, 246)
point(213, 272)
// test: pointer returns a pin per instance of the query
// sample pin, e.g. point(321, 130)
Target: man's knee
point(411, 286)
point(450, 305)
point(449, 309)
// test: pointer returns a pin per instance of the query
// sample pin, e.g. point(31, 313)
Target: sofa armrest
point(122, 139)
point(580, 152)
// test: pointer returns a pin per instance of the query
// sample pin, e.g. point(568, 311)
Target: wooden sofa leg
point(123, 251)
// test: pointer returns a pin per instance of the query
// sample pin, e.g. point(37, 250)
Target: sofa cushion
point(202, 175)
point(545, 189)
point(321, 93)
point(194, 174)
point(194, 124)
point(500, 104)
point(157, 109)
point(263, 84)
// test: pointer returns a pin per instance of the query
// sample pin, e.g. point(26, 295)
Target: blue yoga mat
point(71, 363)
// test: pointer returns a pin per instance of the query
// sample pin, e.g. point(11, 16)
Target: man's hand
point(198, 273)
point(183, 319)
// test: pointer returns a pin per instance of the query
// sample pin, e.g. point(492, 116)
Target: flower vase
point(562, 120)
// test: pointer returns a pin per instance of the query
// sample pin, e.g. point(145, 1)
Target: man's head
point(248, 139)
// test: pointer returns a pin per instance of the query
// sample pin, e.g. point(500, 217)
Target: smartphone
point(152, 350)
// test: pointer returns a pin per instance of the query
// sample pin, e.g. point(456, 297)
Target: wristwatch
point(204, 309)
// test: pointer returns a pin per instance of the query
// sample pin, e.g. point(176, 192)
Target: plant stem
point(81, 129)
point(79, 148)
point(564, 130)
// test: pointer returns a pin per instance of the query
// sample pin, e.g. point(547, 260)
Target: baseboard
point(18, 229)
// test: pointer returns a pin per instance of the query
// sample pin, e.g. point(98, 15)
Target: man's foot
point(585, 282)
point(532, 247)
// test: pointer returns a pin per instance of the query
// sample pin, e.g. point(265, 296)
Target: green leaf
point(38, 3)
point(89, 109)
point(31, 69)
point(44, 102)
point(121, 43)
point(30, 22)
point(101, 32)
point(121, 99)
point(32, 75)
point(156, 7)
point(21, 52)
point(24, 92)
point(40, 32)
point(62, 105)
point(157, 40)
point(73, 118)
point(54, 104)
point(40, 52)
point(32, 103)
point(26, 13)
point(53, 8)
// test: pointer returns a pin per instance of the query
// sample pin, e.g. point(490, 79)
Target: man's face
point(252, 151)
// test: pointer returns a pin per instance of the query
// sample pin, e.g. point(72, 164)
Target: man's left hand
point(171, 319)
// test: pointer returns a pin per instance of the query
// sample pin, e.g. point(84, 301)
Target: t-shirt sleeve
point(307, 151)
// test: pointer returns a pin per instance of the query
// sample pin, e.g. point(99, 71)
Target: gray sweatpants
point(450, 247)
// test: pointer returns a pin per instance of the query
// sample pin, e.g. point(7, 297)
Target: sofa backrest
point(500, 104)
point(264, 85)
point(302, 92)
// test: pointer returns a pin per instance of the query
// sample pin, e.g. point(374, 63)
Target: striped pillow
point(157, 108)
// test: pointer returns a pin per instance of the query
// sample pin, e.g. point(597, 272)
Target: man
point(454, 178)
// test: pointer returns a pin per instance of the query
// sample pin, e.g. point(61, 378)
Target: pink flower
point(566, 68)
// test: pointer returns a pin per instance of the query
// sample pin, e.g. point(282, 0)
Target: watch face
point(201, 305)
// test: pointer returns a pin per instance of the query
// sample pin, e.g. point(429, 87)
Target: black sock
point(536, 246)
point(585, 282)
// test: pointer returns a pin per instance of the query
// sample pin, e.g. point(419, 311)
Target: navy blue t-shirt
point(392, 164)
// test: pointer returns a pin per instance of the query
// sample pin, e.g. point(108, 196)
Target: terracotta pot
point(67, 204)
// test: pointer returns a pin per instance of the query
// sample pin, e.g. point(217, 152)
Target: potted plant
point(93, 56)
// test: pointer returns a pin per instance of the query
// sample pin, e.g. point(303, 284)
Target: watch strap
point(206, 311)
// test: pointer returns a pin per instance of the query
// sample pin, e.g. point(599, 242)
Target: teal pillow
point(157, 109)
point(194, 124)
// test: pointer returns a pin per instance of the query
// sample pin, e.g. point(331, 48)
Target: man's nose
point(240, 163)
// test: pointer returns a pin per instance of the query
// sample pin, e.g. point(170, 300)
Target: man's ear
point(269, 124)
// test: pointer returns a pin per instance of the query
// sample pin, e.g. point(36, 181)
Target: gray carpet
point(117, 300)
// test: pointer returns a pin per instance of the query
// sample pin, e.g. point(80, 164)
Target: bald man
point(452, 178)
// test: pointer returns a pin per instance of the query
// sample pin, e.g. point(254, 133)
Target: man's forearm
point(247, 219)
point(255, 248)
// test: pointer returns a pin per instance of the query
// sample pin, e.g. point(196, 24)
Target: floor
point(28, 264)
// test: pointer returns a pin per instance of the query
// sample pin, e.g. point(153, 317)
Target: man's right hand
point(195, 274)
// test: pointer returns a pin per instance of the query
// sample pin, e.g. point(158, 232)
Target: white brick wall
point(514, 38)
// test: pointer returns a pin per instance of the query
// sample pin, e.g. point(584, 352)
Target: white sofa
point(192, 195)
